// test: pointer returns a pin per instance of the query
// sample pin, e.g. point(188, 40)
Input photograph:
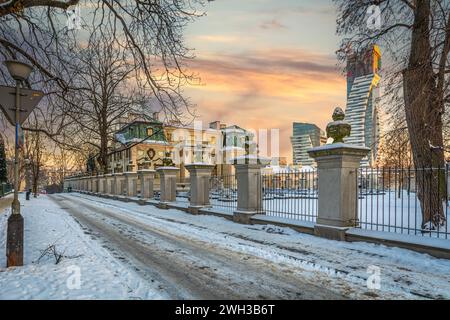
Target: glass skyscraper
point(304, 137)
point(362, 94)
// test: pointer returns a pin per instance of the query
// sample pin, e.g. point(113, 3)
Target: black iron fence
point(291, 195)
point(223, 192)
point(5, 188)
point(404, 200)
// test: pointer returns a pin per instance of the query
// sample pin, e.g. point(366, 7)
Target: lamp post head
point(19, 71)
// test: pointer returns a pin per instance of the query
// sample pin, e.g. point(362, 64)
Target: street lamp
point(20, 72)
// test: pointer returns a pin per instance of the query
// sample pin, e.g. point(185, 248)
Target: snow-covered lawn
point(397, 212)
point(388, 211)
point(101, 275)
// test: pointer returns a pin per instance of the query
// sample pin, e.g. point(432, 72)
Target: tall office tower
point(305, 136)
point(362, 95)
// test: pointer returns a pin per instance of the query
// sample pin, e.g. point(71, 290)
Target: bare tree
point(148, 31)
point(106, 76)
point(416, 36)
point(35, 152)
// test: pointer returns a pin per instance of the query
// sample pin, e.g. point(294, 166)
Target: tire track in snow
point(194, 270)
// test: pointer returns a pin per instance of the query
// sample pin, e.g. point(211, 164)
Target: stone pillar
point(83, 184)
point(168, 180)
point(249, 185)
point(337, 169)
point(146, 177)
point(119, 184)
point(109, 184)
point(94, 187)
point(90, 182)
point(101, 184)
point(131, 183)
point(105, 185)
point(200, 175)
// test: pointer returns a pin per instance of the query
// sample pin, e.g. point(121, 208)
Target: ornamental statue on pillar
point(338, 129)
point(337, 168)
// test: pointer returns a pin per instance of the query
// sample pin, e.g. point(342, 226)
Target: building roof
point(152, 122)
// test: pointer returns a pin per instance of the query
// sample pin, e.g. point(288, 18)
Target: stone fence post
point(119, 179)
point(249, 185)
point(200, 174)
point(101, 184)
point(168, 180)
point(94, 184)
point(90, 183)
point(84, 184)
point(109, 184)
point(131, 183)
point(146, 176)
point(337, 169)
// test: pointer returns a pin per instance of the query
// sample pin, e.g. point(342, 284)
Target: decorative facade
point(149, 144)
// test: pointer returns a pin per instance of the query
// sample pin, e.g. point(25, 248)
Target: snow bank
point(101, 275)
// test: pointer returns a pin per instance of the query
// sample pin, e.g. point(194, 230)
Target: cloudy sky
point(266, 64)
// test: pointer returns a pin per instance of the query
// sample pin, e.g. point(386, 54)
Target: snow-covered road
point(211, 257)
point(128, 251)
point(186, 267)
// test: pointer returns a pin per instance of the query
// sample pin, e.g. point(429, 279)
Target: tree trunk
point(424, 120)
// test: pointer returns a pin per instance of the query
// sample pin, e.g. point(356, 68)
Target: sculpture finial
point(338, 129)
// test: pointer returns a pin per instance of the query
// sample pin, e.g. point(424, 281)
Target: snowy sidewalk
point(101, 275)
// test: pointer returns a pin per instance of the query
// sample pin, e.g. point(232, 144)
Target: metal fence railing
point(291, 195)
point(5, 188)
point(223, 192)
point(404, 200)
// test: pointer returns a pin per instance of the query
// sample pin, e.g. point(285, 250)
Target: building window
point(149, 132)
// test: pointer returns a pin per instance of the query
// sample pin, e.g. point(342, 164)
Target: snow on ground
point(404, 273)
point(101, 275)
point(397, 212)
point(388, 211)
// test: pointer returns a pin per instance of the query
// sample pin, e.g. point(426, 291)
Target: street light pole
point(16, 203)
point(14, 248)
point(14, 243)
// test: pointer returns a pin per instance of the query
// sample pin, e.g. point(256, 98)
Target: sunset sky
point(266, 64)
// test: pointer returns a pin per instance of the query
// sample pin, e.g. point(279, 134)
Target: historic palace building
point(148, 143)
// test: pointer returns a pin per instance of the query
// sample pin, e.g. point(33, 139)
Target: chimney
point(214, 125)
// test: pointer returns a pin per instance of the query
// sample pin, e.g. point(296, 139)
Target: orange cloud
point(268, 89)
